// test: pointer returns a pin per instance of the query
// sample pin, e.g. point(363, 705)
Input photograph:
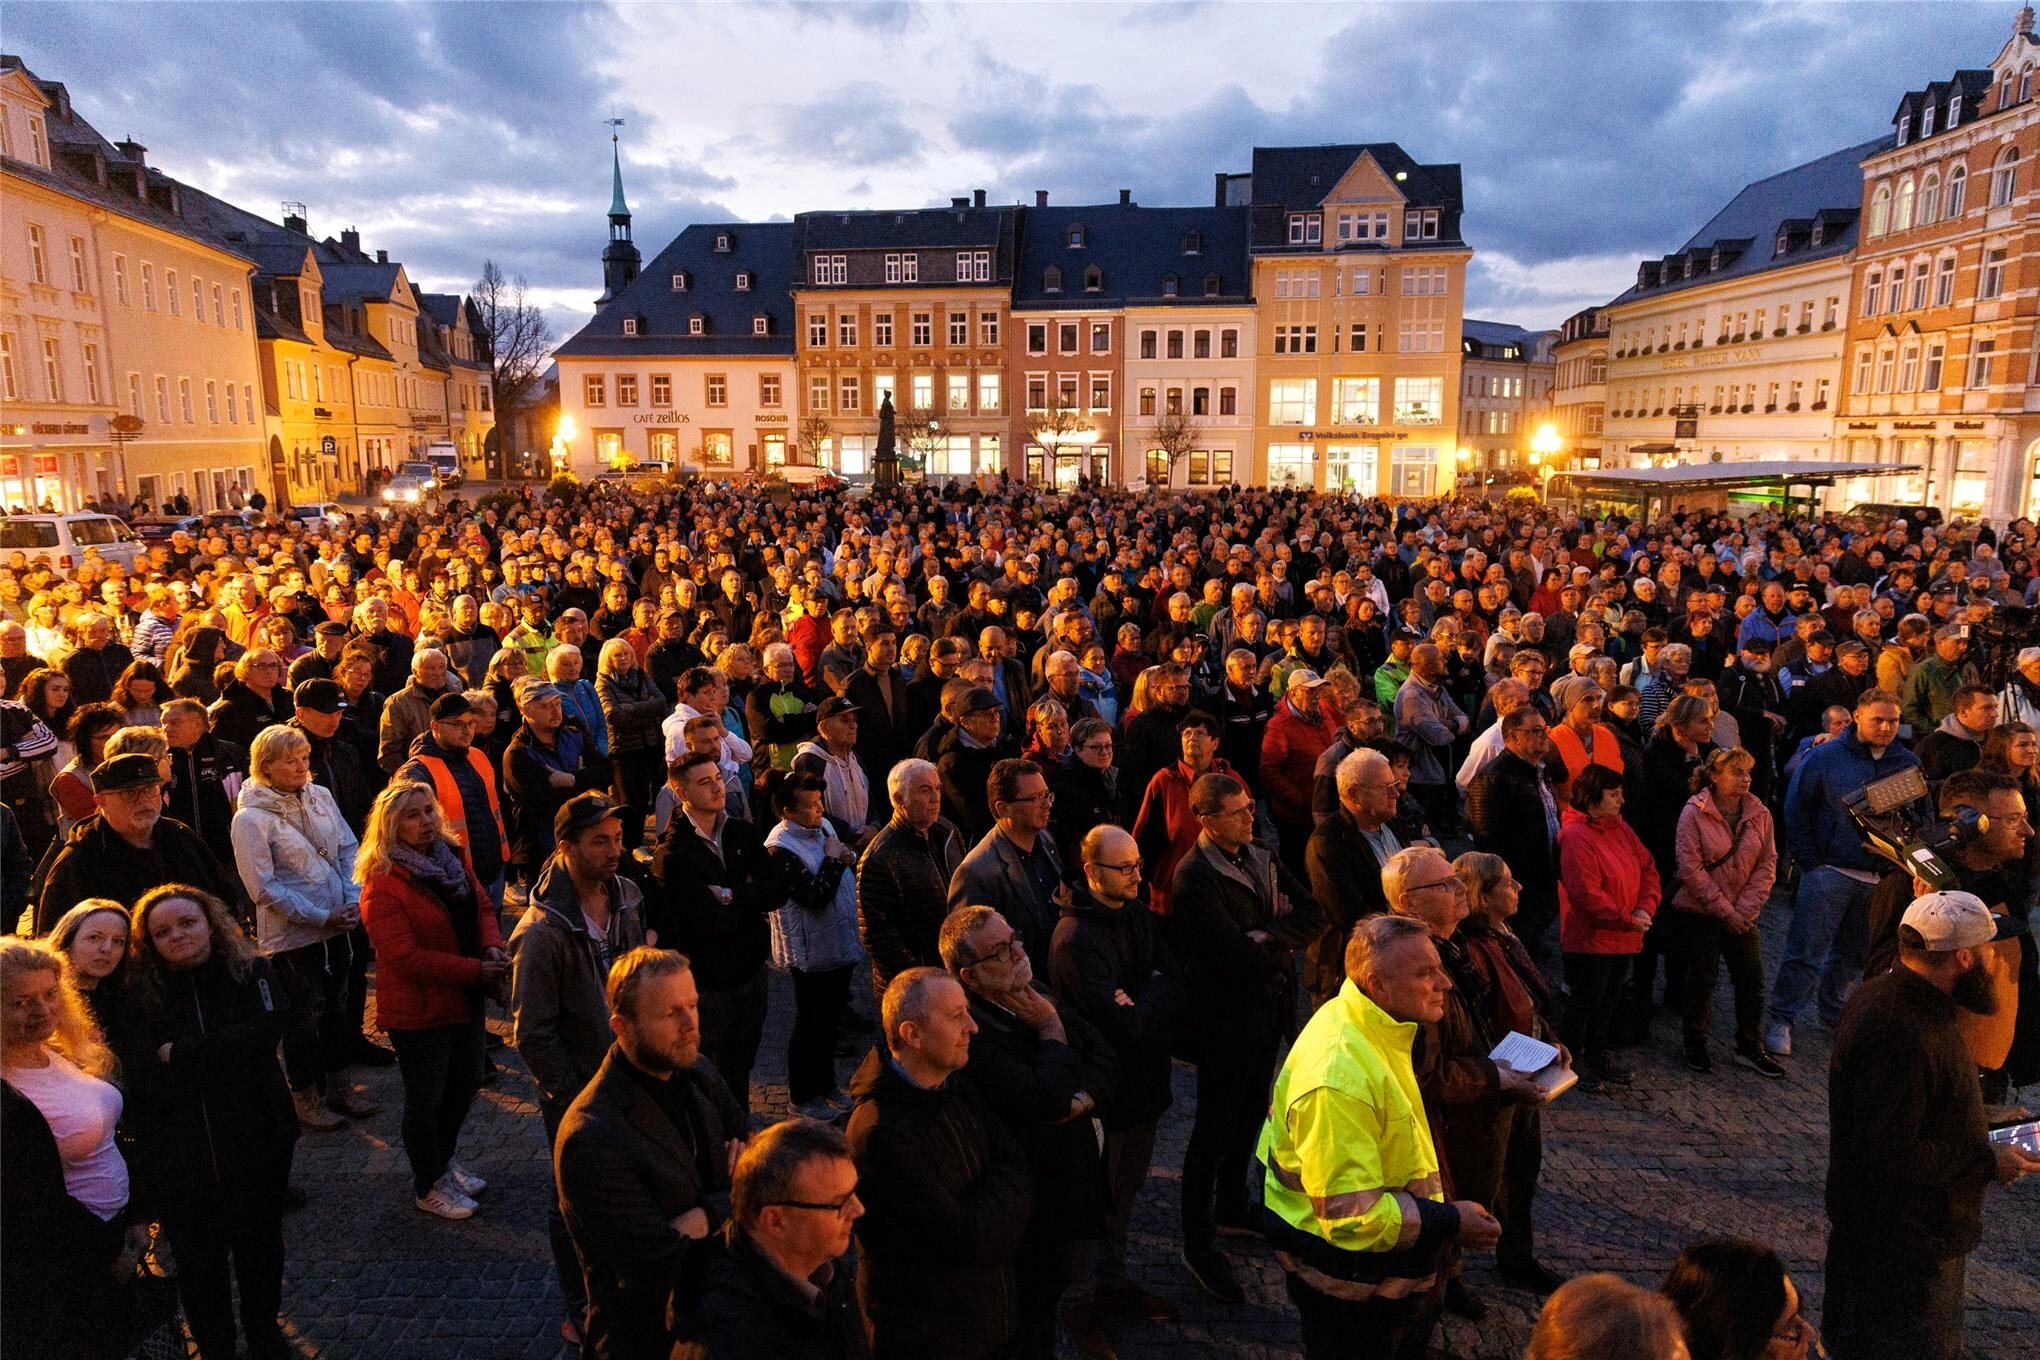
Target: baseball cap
point(1948, 921)
point(980, 700)
point(126, 772)
point(320, 696)
point(1760, 645)
point(1582, 649)
point(529, 689)
point(1949, 630)
point(835, 706)
point(449, 706)
point(582, 811)
point(1303, 678)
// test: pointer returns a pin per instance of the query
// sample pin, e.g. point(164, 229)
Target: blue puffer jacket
point(1817, 825)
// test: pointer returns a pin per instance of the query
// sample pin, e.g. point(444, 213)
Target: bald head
point(1111, 865)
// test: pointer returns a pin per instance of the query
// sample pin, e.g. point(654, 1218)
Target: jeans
point(1233, 1075)
point(1823, 945)
point(818, 1001)
point(1370, 1329)
point(1885, 1302)
point(1128, 1153)
point(732, 1026)
point(1706, 941)
point(1596, 982)
point(320, 1034)
point(234, 1239)
point(441, 1069)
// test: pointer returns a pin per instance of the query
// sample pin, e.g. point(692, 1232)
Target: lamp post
point(1544, 448)
point(562, 456)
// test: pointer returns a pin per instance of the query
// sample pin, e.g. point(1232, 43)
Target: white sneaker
point(447, 1202)
point(465, 1181)
point(1778, 1041)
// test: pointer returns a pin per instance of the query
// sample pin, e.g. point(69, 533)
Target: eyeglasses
point(1229, 812)
point(1045, 796)
point(1453, 882)
point(1007, 950)
point(1132, 868)
point(840, 1208)
point(1096, 747)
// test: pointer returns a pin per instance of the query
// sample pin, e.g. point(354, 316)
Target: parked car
point(234, 521)
point(63, 540)
point(405, 489)
point(316, 514)
point(159, 528)
point(426, 474)
point(445, 460)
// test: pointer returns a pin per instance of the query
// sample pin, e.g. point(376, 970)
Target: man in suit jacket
point(644, 1155)
point(1343, 862)
point(1503, 805)
point(1015, 869)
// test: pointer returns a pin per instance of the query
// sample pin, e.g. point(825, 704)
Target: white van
point(63, 540)
point(445, 460)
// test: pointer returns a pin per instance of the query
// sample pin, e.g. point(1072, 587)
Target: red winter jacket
point(1290, 747)
point(422, 980)
point(1604, 877)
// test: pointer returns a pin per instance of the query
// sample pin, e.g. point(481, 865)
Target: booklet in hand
point(1535, 1059)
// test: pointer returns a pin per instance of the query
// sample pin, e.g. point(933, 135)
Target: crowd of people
point(1334, 800)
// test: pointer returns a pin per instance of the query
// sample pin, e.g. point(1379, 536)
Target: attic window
point(1076, 237)
point(1954, 110)
point(1169, 285)
point(1211, 285)
point(743, 281)
point(630, 325)
point(1193, 242)
point(761, 325)
point(722, 243)
point(1819, 230)
point(1051, 280)
point(1927, 121)
point(1094, 279)
point(1903, 122)
point(679, 283)
point(1784, 240)
point(697, 325)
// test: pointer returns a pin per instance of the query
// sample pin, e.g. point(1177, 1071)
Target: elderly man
point(392, 649)
point(1428, 721)
point(1929, 693)
point(1239, 917)
point(1364, 724)
point(1016, 868)
point(1353, 1184)
point(832, 758)
point(548, 761)
point(903, 879)
point(2018, 701)
point(644, 1156)
point(16, 661)
point(1344, 861)
point(1045, 1074)
point(1290, 746)
point(408, 712)
point(946, 1190)
point(97, 663)
point(128, 846)
point(204, 773)
point(329, 640)
point(966, 758)
point(1505, 697)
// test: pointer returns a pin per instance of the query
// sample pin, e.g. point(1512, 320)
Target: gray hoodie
point(560, 1019)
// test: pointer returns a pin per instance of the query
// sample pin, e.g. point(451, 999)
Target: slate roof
point(906, 229)
point(1975, 87)
point(763, 249)
point(1134, 249)
point(1829, 189)
point(1496, 333)
point(1293, 178)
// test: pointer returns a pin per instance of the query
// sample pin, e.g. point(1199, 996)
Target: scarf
point(442, 873)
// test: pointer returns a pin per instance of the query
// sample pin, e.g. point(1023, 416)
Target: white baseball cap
point(1948, 921)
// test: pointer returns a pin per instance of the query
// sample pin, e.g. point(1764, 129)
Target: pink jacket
point(1605, 876)
point(1741, 883)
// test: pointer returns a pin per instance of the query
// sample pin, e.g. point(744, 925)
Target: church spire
point(619, 211)
point(620, 258)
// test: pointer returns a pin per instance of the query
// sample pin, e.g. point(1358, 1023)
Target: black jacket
point(197, 791)
point(1098, 951)
point(1151, 743)
point(884, 733)
point(1345, 877)
point(1908, 1150)
point(532, 799)
point(1507, 816)
point(1028, 1083)
point(633, 710)
point(1084, 798)
point(749, 1310)
point(727, 942)
point(624, 1172)
point(903, 895)
point(1246, 991)
point(239, 713)
point(93, 673)
point(61, 1304)
point(336, 767)
point(965, 767)
point(217, 1115)
point(946, 1200)
point(96, 861)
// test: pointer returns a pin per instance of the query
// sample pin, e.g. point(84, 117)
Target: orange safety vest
point(448, 793)
point(1573, 751)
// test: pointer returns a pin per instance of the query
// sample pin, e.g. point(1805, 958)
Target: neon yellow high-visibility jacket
point(1352, 1181)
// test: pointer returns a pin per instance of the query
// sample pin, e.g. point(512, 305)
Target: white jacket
point(815, 938)
point(296, 859)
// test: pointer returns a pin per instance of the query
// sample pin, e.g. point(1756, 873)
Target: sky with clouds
point(1590, 135)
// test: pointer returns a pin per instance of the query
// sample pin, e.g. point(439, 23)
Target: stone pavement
point(1628, 1179)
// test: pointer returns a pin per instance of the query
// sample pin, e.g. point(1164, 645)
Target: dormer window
point(1076, 237)
point(1193, 243)
point(1819, 230)
point(1955, 111)
point(630, 325)
point(1904, 120)
point(761, 325)
point(679, 283)
point(1211, 285)
point(1784, 241)
point(1051, 280)
point(1927, 121)
point(697, 325)
point(1169, 283)
point(1094, 279)
point(743, 281)
point(722, 243)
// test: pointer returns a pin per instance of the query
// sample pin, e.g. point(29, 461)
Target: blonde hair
point(272, 744)
point(379, 831)
point(152, 742)
point(76, 1037)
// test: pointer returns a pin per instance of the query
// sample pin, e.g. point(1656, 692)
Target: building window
point(829, 269)
point(957, 400)
point(743, 280)
point(626, 389)
point(148, 286)
point(662, 389)
point(849, 393)
point(768, 389)
point(1979, 363)
point(923, 390)
point(134, 384)
point(1147, 344)
point(170, 291)
point(38, 149)
point(717, 389)
point(1229, 344)
point(1908, 367)
point(1871, 283)
point(1894, 293)
point(1993, 284)
point(162, 400)
point(1289, 465)
point(1902, 206)
point(1066, 338)
point(1356, 399)
point(959, 328)
point(1172, 401)
point(1306, 229)
point(1066, 391)
point(212, 402)
point(1037, 392)
point(818, 330)
point(1295, 340)
point(903, 268)
point(1051, 280)
point(1211, 467)
point(1861, 385)
point(1147, 401)
point(630, 325)
point(1101, 392)
point(1228, 401)
point(1930, 372)
point(1880, 210)
point(1958, 186)
point(1955, 111)
point(231, 405)
point(1292, 401)
point(697, 325)
point(718, 447)
point(2003, 176)
point(1169, 285)
point(761, 325)
point(1930, 198)
point(38, 256)
point(1037, 337)
point(988, 328)
point(1420, 224)
point(973, 266)
point(78, 265)
point(1419, 401)
point(881, 389)
point(198, 302)
point(1101, 337)
point(120, 280)
point(846, 330)
point(594, 390)
point(988, 393)
point(1175, 344)
point(923, 324)
point(1919, 286)
point(818, 391)
point(680, 281)
point(1944, 281)
point(183, 399)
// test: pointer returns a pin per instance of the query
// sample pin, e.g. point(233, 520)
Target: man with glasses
point(1503, 806)
point(128, 847)
point(254, 699)
point(779, 1289)
point(1046, 1075)
point(1016, 869)
point(1239, 916)
point(1344, 861)
point(1108, 965)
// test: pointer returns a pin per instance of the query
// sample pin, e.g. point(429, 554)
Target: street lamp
point(1544, 444)
point(562, 456)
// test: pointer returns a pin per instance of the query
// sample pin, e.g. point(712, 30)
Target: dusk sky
point(1590, 134)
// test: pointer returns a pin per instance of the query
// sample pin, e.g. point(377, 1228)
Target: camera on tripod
point(1897, 818)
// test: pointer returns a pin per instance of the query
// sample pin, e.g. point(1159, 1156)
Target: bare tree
point(519, 341)
point(1174, 435)
point(919, 435)
point(1051, 431)
point(811, 439)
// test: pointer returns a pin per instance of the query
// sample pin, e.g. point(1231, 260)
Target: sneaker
point(1760, 1062)
point(820, 1109)
point(311, 1114)
point(1125, 1299)
point(1213, 1273)
point(1697, 1060)
point(1778, 1041)
point(446, 1202)
point(465, 1181)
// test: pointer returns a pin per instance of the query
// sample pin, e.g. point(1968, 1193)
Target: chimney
point(1041, 198)
point(382, 257)
point(1219, 201)
point(959, 203)
point(132, 149)
point(350, 239)
point(977, 198)
point(1126, 198)
point(295, 218)
point(2022, 26)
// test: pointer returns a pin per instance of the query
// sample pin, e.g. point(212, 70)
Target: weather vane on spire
point(614, 124)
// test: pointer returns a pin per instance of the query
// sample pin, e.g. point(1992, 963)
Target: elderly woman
point(253, 700)
point(780, 711)
point(632, 710)
point(1048, 735)
point(506, 668)
point(563, 666)
point(1727, 862)
point(295, 855)
point(66, 1181)
point(211, 1114)
point(438, 953)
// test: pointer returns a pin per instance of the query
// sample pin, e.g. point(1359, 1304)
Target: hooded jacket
point(558, 1010)
point(1818, 830)
point(1948, 749)
point(1099, 951)
point(295, 855)
point(1744, 861)
point(816, 930)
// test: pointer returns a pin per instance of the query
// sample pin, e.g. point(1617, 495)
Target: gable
point(1366, 182)
point(17, 85)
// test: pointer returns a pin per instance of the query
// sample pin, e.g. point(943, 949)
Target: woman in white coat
point(814, 937)
point(295, 856)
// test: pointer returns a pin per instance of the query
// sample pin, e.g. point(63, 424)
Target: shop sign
point(42, 427)
point(662, 418)
point(1367, 436)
